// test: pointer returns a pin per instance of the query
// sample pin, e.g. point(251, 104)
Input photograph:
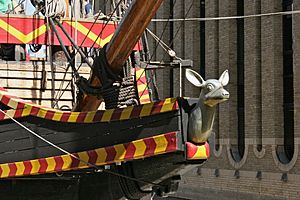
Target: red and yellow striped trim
point(33, 30)
point(138, 149)
point(197, 152)
point(23, 108)
point(142, 85)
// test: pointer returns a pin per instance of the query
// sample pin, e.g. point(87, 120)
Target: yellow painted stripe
point(57, 116)
point(146, 110)
point(168, 105)
point(121, 152)
point(140, 73)
point(107, 115)
point(10, 113)
point(201, 153)
point(42, 113)
point(140, 148)
point(25, 38)
point(126, 113)
point(26, 111)
point(100, 41)
point(73, 117)
point(35, 166)
point(12, 103)
point(51, 164)
point(144, 97)
point(67, 160)
point(5, 170)
point(85, 157)
point(161, 144)
point(89, 117)
point(20, 168)
point(142, 87)
point(101, 156)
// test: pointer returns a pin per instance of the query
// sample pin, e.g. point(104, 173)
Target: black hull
point(82, 185)
point(17, 144)
point(29, 167)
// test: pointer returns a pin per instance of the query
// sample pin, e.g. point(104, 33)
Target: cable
point(99, 35)
point(228, 18)
point(77, 158)
point(20, 3)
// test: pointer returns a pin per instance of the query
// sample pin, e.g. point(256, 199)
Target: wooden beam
point(119, 48)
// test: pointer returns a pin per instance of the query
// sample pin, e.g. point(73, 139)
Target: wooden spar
point(119, 48)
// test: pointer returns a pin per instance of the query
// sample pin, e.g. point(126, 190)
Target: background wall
point(255, 141)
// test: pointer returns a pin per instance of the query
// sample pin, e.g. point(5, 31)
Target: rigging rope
point(57, 8)
point(230, 17)
point(99, 35)
point(15, 7)
point(77, 158)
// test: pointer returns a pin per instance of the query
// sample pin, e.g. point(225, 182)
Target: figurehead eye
point(210, 87)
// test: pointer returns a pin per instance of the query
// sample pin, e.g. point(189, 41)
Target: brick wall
point(259, 174)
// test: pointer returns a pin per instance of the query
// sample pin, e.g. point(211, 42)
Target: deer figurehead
point(202, 115)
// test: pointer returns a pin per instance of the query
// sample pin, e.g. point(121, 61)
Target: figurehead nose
point(225, 94)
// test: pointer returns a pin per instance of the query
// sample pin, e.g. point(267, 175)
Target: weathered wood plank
point(28, 66)
point(32, 84)
point(38, 94)
point(35, 75)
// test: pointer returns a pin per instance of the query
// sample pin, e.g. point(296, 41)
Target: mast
point(129, 31)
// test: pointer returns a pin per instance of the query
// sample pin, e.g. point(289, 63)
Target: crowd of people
point(83, 9)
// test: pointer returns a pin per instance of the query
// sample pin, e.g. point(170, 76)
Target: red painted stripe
point(93, 156)
point(28, 167)
point(2, 115)
point(34, 111)
point(207, 149)
point(3, 89)
point(18, 113)
point(116, 114)
point(75, 162)
point(111, 154)
point(157, 107)
point(43, 165)
point(142, 80)
point(81, 117)
point(20, 105)
point(1, 171)
point(130, 150)
point(150, 146)
point(142, 93)
point(12, 169)
point(191, 150)
point(172, 141)
point(175, 106)
point(136, 111)
point(65, 116)
point(98, 116)
point(59, 163)
point(49, 114)
point(5, 99)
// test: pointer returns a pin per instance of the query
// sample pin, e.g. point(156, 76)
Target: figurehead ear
point(224, 78)
point(194, 78)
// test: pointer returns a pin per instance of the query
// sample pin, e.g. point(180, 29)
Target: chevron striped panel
point(33, 30)
point(138, 149)
point(24, 108)
point(142, 85)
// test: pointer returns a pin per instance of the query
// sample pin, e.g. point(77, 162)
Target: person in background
point(5, 6)
point(88, 9)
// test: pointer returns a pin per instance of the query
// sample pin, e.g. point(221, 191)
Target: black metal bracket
point(163, 65)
